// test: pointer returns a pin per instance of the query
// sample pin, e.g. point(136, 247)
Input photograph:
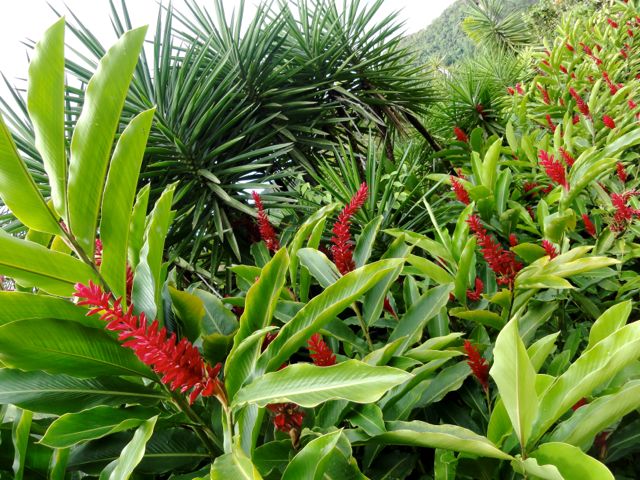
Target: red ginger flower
point(550, 249)
point(622, 174)
point(608, 121)
point(502, 262)
point(544, 93)
point(177, 362)
point(342, 243)
point(460, 135)
point(288, 416)
point(582, 106)
point(569, 47)
point(632, 104)
point(511, 91)
point(267, 233)
point(566, 156)
point(461, 194)
point(321, 353)
point(475, 295)
point(519, 89)
point(588, 225)
point(550, 123)
point(613, 88)
point(478, 364)
point(553, 168)
point(389, 308)
point(612, 23)
point(97, 259)
point(563, 69)
point(513, 240)
point(624, 214)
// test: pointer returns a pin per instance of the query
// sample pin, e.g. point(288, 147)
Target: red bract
point(576, 119)
point(513, 240)
point(588, 225)
point(566, 156)
point(342, 244)
point(267, 233)
point(321, 354)
point(501, 261)
point(519, 89)
point(288, 416)
point(622, 174)
point(613, 88)
point(478, 364)
point(553, 168)
point(612, 23)
point(458, 188)
point(550, 249)
point(544, 93)
point(623, 214)
point(582, 106)
point(178, 363)
point(511, 91)
point(460, 135)
point(550, 123)
point(388, 308)
point(529, 186)
point(569, 47)
point(632, 104)
point(608, 121)
point(475, 295)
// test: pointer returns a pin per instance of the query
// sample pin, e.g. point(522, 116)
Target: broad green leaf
point(571, 462)
point(19, 191)
point(117, 202)
point(364, 245)
point(448, 437)
point(189, 310)
point(312, 461)
point(585, 423)
point(613, 319)
point(322, 309)
point(447, 380)
point(59, 346)
point(415, 320)
point(217, 318)
point(515, 377)
point(369, 418)
point(235, 465)
point(529, 252)
point(58, 465)
point(430, 269)
point(132, 454)
point(45, 103)
point(444, 466)
point(93, 135)
point(594, 367)
point(540, 350)
point(464, 267)
point(531, 467)
point(490, 164)
point(20, 437)
point(41, 392)
point(260, 305)
point(73, 428)
point(309, 385)
point(483, 317)
point(136, 225)
point(319, 266)
point(461, 233)
point(23, 306)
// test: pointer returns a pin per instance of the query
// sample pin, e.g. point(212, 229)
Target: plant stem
point(208, 438)
point(363, 325)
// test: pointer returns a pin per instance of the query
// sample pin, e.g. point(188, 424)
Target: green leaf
point(189, 309)
point(235, 465)
point(311, 462)
point(589, 420)
point(447, 380)
point(610, 321)
point(529, 252)
point(364, 245)
point(515, 377)
point(369, 418)
point(260, 305)
point(59, 346)
point(23, 306)
point(45, 103)
point(594, 367)
point(321, 310)
point(93, 135)
point(535, 470)
point(20, 437)
point(571, 462)
point(415, 320)
point(319, 266)
point(136, 225)
point(217, 318)
point(448, 437)
point(122, 468)
point(541, 349)
point(430, 269)
point(490, 164)
point(119, 194)
point(309, 385)
point(19, 191)
point(41, 392)
point(464, 267)
point(73, 428)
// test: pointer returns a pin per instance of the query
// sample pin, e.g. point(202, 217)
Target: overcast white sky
point(22, 19)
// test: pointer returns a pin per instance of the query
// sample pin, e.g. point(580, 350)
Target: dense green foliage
point(461, 311)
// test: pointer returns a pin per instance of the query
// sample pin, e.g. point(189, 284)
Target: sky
point(27, 19)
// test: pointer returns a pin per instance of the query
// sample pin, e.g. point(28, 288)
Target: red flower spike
point(581, 104)
point(267, 233)
point(544, 93)
point(608, 121)
point(588, 225)
point(612, 23)
point(288, 416)
point(459, 190)
point(460, 135)
point(550, 249)
point(529, 186)
point(553, 168)
point(566, 156)
point(341, 249)
point(613, 88)
point(475, 295)
point(569, 47)
point(513, 240)
point(631, 104)
point(321, 354)
point(576, 119)
point(550, 123)
point(178, 363)
point(563, 69)
point(502, 262)
point(624, 214)
point(622, 174)
point(478, 364)
point(511, 91)
point(519, 89)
